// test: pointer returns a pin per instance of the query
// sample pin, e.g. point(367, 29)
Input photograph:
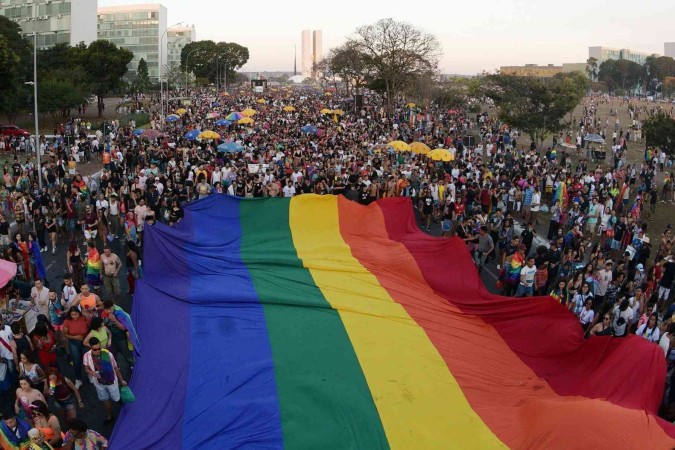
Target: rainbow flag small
point(513, 269)
point(93, 263)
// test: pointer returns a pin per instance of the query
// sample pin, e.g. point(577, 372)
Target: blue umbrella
point(223, 123)
point(172, 118)
point(138, 131)
point(215, 104)
point(192, 135)
point(230, 147)
point(309, 129)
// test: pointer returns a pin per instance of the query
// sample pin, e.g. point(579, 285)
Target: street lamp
point(161, 50)
point(187, 71)
point(35, 96)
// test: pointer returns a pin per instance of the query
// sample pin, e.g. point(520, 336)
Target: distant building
point(531, 70)
point(306, 58)
point(177, 38)
point(669, 49)
point(603, 54)
point(140, 29)
point(58, 21)
point(312, 51)
point(317, 47)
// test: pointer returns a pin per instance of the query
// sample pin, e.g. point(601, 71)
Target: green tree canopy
point(104, 63)
point(143, 82)
point(206, 59)
point(620, 74)
point(17, 66)
point(534, 105)
point(660, 132)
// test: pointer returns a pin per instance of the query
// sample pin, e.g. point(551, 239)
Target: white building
point(317, 47)
point(312, 51)
point(58, 21)
point(603, 54)
point(177, 38)
point(140, 29)
point(669, 49)
point(306, 55)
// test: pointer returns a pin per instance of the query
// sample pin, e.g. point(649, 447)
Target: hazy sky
point(475, 35)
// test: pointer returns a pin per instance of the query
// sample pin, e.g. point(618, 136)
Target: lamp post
point(36, 138)
point(187, 71)
point(161, 52)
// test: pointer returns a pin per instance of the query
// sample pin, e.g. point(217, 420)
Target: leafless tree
point(397, 52)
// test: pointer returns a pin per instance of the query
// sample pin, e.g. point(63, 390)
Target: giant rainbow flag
point(318, 323)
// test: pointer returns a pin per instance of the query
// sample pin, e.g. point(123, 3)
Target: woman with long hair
point(31, 370)
point(64, 392)
point(47, 423)
point(21, 246)
point(25, 395)
point(650, 330)
point(75, 263)
point(44, 341)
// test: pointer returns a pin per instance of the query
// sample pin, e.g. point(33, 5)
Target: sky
point(474, 35)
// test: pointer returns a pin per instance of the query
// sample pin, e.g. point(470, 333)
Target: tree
point(105, 65)
point(208, 59)
point(396, 52)
point(348, 63)
point(143, 81)
point(17, 66)
point(534, 105)
point(592, 68)
point(660, 132)
point(56, 97)
point(668, 87)
point(621, 74)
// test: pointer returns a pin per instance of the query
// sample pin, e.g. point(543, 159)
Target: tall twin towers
point(311, 51)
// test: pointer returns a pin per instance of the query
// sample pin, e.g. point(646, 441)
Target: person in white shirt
point(535, 205)
point(623, 315)
point(296, 177)
point(69, 291)
point(528, 283)
point(40, 298)
point(6, 351)
point(102, 203)
point(650, 330)
point(289, 189)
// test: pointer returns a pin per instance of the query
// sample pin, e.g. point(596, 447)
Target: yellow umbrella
point(261, 101)
point(248, 112)
point(339, 112)
point(329, 94)
point(441, 154)
point(420, 147)
point(245, 120)
point(326, 111)
point(411, 105)
point(208, 134)
point(181, 111)
point(399, 146)
point(289, 108)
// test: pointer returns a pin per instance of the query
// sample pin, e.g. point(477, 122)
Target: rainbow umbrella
point(234, 116)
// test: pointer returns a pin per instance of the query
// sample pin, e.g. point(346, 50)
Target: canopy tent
point(344, 326)
point(594, 138)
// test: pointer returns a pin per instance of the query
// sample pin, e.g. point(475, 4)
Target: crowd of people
point(546, 219)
